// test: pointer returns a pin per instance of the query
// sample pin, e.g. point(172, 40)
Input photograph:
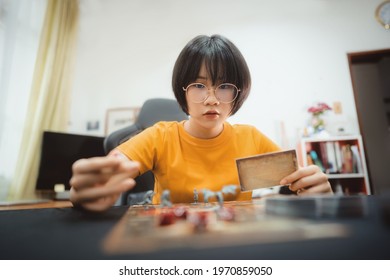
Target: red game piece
point(167, 218)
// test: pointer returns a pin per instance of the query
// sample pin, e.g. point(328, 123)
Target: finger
point(95, 164)
point(301, 172)
point(116, 185)
point(323, 188)
point(82, 181)
point(129, 167)
point(118, 154)
point(100, 204)
point(87, 180)
point(309, 181)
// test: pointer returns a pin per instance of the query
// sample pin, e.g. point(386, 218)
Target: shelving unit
point(342, 159)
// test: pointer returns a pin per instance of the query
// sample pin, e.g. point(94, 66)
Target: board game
point(147, 228)
point(209, 221)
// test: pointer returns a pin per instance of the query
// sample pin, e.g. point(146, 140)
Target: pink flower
point(320, 108)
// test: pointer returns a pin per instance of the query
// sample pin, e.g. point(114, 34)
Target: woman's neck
point(198, 131)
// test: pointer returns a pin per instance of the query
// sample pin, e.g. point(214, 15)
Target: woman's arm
point(98, 182)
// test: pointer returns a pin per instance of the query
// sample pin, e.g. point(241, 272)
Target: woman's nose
point(211, 98)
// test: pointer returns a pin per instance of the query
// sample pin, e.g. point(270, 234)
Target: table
point(69, 234)
point(49, 204)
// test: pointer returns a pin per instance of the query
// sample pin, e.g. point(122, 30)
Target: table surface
point(69, 233)
point(48, 204)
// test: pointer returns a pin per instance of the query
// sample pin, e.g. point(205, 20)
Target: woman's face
point(207, 117)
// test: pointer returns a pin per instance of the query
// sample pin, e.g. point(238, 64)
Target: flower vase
point(318, 125)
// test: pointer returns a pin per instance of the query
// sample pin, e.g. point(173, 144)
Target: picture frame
point(117, 118)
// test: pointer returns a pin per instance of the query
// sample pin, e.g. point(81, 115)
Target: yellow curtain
point(48, 107)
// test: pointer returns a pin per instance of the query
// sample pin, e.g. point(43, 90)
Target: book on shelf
point(316, 160)
point(331, 156)
point(347, 159)
point(339, 159)
point(342, 159)
point(324, 157)
point(334, 157)
point(356, 160)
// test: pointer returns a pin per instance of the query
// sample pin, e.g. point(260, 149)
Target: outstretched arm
point(97, 182)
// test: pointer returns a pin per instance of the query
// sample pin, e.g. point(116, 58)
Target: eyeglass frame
point(185, 89)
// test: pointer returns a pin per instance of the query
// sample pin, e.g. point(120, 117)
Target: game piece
point(196, 196)
point(225, 214)
point(207, 194)
point(232, 189)
point(167, 218)
point(147, 198)
point(180, 212)
point(219, 197)
point(229, 189)
point(165, 199)
point(199, 220)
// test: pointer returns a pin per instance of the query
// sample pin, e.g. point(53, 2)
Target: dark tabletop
point(68, 233)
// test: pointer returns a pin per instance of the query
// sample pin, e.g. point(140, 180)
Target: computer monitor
point(58, 153)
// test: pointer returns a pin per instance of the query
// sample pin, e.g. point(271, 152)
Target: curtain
point(21, 23)
point(48, 107)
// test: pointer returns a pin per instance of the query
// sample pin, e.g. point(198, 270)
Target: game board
point(146, 228)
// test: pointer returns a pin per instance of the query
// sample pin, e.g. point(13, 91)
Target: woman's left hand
point(308, 180)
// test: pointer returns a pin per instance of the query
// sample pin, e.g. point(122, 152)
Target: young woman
point(211, 81)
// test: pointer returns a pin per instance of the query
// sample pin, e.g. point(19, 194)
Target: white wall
point(296, 51)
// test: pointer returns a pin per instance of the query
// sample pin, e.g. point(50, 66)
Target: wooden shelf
point(342, 159)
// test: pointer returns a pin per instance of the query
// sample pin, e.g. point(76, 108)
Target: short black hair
point(223, 61)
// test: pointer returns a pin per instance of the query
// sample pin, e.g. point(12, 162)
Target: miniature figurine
point(147, 198)
point(232, 189)
point(207, 194)
point(196, 196)
point(219, 196)
point(229, 189)
point(165, 199)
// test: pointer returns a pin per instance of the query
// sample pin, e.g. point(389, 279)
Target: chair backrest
point(152, 111)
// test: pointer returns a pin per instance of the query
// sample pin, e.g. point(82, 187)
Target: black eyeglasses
point(224, 93)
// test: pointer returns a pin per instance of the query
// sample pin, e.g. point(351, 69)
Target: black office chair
point(152, 111)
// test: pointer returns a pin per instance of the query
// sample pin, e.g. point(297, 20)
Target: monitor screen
point(58, 152)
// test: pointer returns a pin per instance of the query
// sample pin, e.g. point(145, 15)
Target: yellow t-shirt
point(182, 163)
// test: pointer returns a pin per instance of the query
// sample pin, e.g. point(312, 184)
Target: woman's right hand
point(98, 182)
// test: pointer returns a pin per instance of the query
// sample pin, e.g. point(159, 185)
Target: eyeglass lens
point(225, 93)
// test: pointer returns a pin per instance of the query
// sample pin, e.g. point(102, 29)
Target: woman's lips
point(212, 112)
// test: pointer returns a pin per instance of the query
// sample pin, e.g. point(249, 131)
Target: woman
point(211, 81)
